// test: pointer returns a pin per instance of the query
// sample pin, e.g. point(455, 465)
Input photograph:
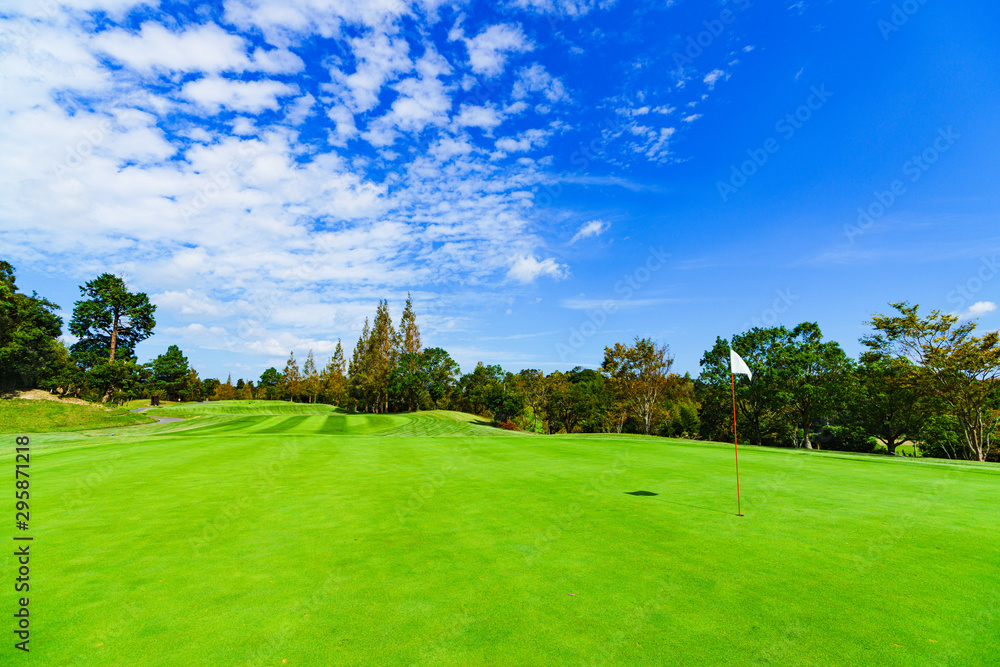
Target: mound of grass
point(251, 539)
point(20, 416)
point(247, 408)
point(283, 417)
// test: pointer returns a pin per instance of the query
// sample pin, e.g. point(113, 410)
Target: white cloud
point(203, 48)
point(489, 49)
point(300, 109)
point(485, 117)
point(187, 302)
point(592, 228)
point(285, 21)
point(524, 141)
point(344, 127)
point(241, 222)
point(527, 269)
point(572, 8)
point(692, 118)
point(276, 61)
point(422, 102)
point(195, 330)
point(213, 92)
point(536, 79)
point(206, 48)
point(380, 58)
point(977, 309)
point(713, 77)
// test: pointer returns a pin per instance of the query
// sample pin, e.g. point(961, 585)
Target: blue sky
point(546, 177)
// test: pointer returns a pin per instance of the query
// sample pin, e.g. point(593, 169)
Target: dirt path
point(161, 420)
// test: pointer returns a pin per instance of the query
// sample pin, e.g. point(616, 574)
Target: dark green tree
point(440, 372)
point(169, 374)
point(111, 320)
point(269, 381)
point(811, 376)
point(29, 329)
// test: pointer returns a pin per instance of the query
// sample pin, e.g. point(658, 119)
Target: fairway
point(259, 533)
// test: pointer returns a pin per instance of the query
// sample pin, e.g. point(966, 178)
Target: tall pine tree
point(359, 369)
point(382, 355)
point(291, 378)
point(310, 378)
point(409, 333)
point(333, 379)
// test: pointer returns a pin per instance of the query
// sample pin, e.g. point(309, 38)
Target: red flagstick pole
point(736, 446)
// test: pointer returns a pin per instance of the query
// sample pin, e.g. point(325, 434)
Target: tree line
point(926, 380)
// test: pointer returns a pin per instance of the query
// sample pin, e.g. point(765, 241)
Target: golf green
point(274, 534)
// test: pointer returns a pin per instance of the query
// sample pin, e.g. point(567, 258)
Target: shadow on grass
point(674, 502)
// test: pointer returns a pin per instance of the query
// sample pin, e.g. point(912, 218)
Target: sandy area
point(41, 395)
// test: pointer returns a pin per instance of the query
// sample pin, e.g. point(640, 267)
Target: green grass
point(300, 533)
point(25, 416)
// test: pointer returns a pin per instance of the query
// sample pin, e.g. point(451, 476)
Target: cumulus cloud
point(206, 48)
point(536, 79)
point(528, 269)
point(488, 51)
point(214, 92)
point(187, 157)
point(485, 117)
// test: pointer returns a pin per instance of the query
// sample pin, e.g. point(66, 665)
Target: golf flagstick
point(736, 447)
point(737, 365)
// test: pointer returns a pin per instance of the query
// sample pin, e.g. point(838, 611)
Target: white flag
point(737, 364)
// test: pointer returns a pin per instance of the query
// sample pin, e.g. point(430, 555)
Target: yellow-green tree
point(638, 377)
point(291, 379)
point(226, 391)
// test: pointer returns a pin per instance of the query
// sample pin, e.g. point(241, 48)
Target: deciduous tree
point(953, 366)
point(637, 375)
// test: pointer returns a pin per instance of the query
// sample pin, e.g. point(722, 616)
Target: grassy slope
point(21, 416)
point(438, 541)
